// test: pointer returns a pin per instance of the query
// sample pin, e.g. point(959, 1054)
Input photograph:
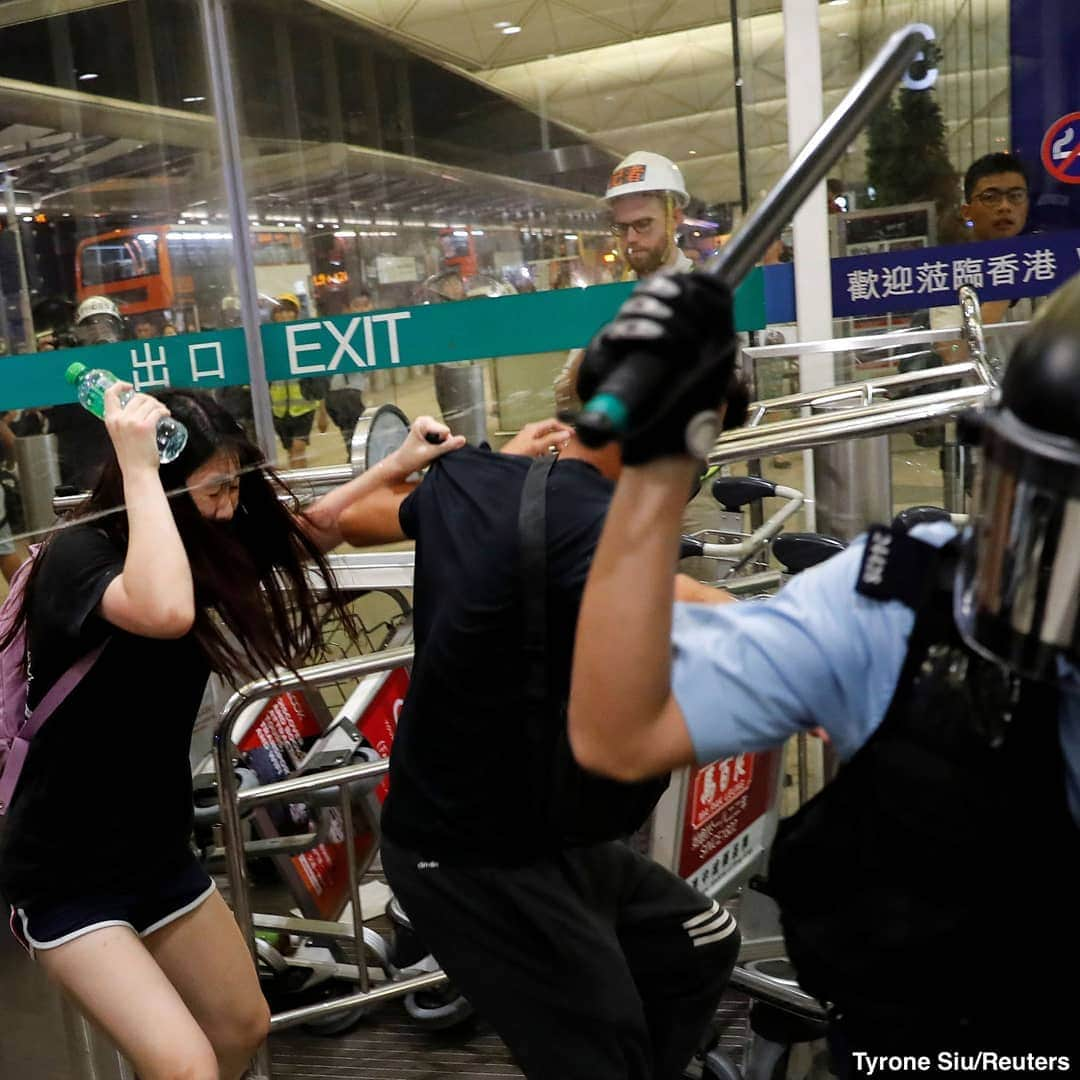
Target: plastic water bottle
point(90, 385)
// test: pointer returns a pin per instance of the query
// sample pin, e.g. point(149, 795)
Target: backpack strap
point(20, 745)
point(532, 534)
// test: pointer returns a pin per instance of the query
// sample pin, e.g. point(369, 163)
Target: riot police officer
point(82, 442)
point(943, 667)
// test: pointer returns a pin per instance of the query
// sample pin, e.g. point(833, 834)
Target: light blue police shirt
point(819, 654)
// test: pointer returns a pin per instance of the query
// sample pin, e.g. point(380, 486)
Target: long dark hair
point(254, 607)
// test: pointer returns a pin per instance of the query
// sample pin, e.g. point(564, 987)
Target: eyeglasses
point(641, 226)
point(993, 196)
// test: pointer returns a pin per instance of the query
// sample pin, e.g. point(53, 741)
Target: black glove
point(673, 344)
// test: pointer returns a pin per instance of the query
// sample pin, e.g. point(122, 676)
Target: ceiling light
point(843, 33)
point(86, 76)
point(193, 99)
point(692, 153)
point(517, 29)
point(837, 3)
point(502, 24)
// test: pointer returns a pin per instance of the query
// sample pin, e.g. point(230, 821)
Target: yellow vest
point(287, 400)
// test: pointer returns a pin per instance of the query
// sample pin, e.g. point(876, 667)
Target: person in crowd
point(237, 399)
point(176, 570)
point(995, 207)
point(458, 392)
point(295, 403)
point(646, 194)
point(943, 669)
point(362, 301)
point(168, 329)
point(82, 443)
point(143, 329)
point(589, 960)
point(345, 396)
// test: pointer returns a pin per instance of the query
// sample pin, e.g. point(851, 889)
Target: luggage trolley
point(344, 969)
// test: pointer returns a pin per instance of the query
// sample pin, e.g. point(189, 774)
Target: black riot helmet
point(1019, 590)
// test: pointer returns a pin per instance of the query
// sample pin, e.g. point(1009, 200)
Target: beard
point(646, 260)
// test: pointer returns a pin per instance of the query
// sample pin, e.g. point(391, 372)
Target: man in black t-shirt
point(590, 961)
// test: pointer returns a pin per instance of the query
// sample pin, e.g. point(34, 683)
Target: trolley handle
point(764, 534)
point(799, 551)
point(735, 492)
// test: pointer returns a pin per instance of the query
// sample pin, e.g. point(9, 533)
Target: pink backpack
point(18, 725)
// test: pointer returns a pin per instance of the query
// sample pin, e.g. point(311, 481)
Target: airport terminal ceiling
point(521, 119)
point(656, 74)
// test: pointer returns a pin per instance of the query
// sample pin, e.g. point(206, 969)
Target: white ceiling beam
point(14, 12)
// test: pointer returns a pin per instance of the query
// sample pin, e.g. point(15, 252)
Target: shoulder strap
point(896, 566)
point(532, 535)
point(15, 757)
point(61, 689)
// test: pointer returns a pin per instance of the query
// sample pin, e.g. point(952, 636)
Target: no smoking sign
point(1061, 149)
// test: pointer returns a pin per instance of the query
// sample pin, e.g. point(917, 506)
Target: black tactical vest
point(935, 876)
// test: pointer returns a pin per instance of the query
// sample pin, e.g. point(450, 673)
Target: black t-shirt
point(459, 783)
point(104, 799)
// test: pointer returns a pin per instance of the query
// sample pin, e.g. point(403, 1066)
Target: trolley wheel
point(338, 1023)
point(438, 1009)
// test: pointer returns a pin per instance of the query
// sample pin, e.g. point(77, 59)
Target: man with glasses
point(647, 196)
point(995, 207)
point(995, 197)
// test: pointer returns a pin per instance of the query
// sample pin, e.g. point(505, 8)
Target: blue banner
point(1045, 106)
point(929, 277)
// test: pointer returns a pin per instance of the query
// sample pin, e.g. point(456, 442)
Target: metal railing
point(873, 418)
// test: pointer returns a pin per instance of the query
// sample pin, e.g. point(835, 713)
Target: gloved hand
point(673, 344)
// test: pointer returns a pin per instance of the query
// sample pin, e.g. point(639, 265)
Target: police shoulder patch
point(896, 566)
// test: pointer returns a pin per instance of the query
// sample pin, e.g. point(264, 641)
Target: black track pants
point(594, 964)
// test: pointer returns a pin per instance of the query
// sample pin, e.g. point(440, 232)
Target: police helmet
point(1018, 598)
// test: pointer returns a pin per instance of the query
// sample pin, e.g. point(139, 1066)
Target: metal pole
point(218, 60)
point(349, 835)
point(29, 338)
point(740, 120)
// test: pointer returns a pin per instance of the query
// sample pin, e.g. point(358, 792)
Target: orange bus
point(182, 272)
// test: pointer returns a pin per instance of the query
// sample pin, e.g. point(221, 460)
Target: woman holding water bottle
point(180, 569)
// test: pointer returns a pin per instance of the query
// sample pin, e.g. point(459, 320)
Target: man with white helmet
point(98, 321)
point(647, 196)
point(82, 441)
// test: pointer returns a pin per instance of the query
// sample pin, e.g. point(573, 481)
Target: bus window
point(121, 259)
point(185, 271)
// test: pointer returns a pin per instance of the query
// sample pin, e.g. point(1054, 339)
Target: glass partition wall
point(399, 158)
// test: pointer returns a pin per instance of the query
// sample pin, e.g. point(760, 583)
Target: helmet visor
point(99, 330)
point(1018, 599)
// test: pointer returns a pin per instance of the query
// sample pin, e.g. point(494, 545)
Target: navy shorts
point(49, 924)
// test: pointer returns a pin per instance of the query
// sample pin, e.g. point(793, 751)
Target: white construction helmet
point(643, 173)
point(98, 321)
point(97, 305)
